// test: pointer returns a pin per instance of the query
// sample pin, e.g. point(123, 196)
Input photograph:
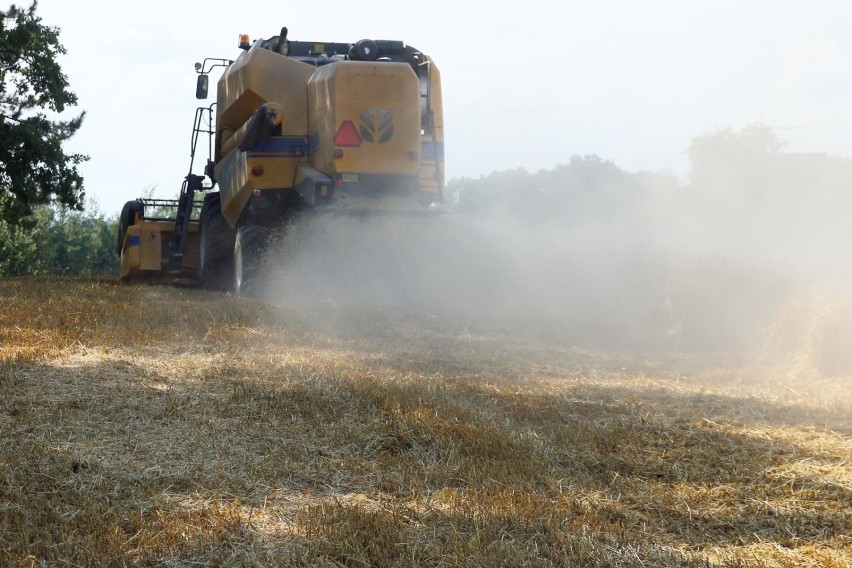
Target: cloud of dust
point(757, 270)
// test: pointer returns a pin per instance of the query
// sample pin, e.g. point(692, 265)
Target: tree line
point(58, 241)
point(745, 193)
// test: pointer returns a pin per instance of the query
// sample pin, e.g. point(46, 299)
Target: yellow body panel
point(232, 174)
point(366, 94)
point(256, 77)
point(237, 179)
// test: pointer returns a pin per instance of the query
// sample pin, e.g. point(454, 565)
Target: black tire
point(126, 219)
point(248, 260)
point(364, 50)
point(215, 246)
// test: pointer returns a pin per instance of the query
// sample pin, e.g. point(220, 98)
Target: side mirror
point(202, 86)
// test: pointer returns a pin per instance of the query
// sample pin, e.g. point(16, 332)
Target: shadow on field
point(116, 460)
point(472, 530)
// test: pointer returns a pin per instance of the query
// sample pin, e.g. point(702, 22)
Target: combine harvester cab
point(297, 127)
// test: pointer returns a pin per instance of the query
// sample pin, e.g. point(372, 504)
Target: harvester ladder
point(191, 184)
point(429, 128)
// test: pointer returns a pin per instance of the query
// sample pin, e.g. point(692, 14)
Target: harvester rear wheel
point(126, 219)
point(215, 245)
point(248, 262)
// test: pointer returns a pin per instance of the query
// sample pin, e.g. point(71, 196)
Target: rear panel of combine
point(365, 132)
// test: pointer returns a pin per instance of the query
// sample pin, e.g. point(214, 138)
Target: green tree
point(588, 189)
point(34, 168)
point(749, 194)
point(79, 243)
point(60, 242)
point(19, 251)
point(738, 162)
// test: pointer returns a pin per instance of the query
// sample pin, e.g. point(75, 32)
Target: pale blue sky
point(525, 84)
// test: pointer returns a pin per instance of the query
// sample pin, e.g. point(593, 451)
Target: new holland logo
point(376, 125)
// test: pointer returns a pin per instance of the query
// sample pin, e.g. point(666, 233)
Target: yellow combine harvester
point(297, 127)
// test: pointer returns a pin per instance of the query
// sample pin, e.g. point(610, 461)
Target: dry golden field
point(159, 426)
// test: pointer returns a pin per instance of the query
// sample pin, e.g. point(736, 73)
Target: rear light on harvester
point(347, 135)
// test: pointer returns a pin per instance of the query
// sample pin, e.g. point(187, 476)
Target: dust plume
point(749, 260)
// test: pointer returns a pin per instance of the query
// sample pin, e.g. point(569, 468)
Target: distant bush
point(59, 242)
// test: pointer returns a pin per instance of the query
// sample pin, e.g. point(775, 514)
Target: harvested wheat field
point(159, 426)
